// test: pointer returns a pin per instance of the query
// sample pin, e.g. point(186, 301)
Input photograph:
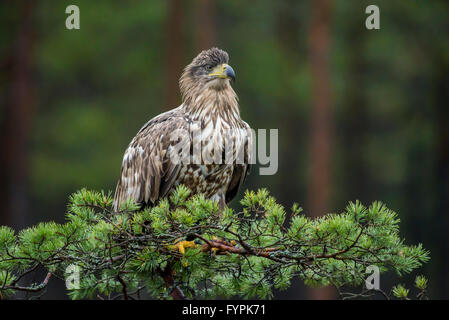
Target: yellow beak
point(223, 71)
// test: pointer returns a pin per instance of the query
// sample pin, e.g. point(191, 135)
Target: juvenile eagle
point(207, 125)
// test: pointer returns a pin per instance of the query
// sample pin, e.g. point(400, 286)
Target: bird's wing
point(148, 171)
point(241, 171)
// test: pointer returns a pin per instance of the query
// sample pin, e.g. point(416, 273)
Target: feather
point(149, 171)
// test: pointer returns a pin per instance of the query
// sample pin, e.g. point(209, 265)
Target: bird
point(177, 146)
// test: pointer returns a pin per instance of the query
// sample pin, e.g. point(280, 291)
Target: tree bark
point(175, 52)
point(321, 122)
point(205, 26)
point(441, 79)
point(17, 120)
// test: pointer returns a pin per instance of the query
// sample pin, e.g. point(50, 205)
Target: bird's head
point(209, 69)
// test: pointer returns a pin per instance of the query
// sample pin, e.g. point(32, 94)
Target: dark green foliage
point(95, 87)
point(120, 254)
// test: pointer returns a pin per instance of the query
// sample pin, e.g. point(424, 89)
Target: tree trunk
point(18, 114)
point(321, 127)
point(205, 26)
point(442, 167)
point(175, 52)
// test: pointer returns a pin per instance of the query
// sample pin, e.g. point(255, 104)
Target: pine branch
point(246, 253)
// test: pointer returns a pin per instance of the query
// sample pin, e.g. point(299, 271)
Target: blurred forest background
point(362, 114)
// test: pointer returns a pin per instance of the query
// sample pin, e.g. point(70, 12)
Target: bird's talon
point(182, 245)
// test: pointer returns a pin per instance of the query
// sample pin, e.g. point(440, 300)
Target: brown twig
point(125, 293)
point(37, 288)
point(175, 291)
point(225, 247)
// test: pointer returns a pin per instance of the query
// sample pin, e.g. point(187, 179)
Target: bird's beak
point(223, 71)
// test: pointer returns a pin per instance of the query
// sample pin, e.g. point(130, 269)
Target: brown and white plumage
point(210, 111)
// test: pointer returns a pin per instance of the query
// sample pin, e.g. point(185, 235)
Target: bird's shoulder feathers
point(147, 173)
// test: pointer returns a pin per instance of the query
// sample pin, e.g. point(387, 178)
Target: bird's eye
point(208, 67)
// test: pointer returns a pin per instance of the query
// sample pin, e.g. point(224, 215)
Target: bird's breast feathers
point(155, 161)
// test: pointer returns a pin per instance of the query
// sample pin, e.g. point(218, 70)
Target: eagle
point(202, 144)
